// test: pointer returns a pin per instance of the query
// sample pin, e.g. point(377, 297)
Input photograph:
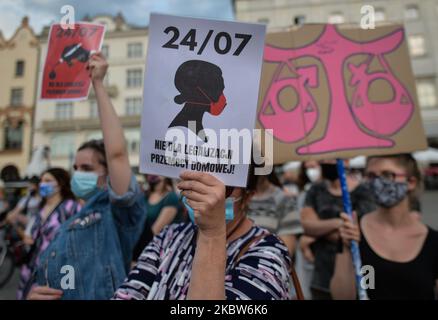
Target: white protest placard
point(200, 97)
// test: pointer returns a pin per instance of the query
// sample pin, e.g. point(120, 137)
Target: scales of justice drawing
point(354, 121)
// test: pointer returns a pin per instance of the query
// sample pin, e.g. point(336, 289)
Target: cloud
point(45, 12)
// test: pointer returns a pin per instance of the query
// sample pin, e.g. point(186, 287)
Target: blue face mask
point(84, 184)
point(229, 209)
point(46, 189)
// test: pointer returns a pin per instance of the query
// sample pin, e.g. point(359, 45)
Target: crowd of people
point(195, 238)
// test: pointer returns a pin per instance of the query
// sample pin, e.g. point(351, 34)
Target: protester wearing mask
point(274, 209)
point(291, 177)
point(56, 207)
point(310, 173)
point(400, 248)
point(163, 208)
point(97, 241)
point(321, 220)
point(24, 214)
point(220, 255)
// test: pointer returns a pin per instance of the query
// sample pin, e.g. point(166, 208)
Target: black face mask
point(329, 171)
point(33, 193)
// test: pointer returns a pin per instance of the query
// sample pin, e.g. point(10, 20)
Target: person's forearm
point(208, 271)
point(342, 284)
point(319, 228)
point(12, 216)
point(166, 217)
point(115, 144)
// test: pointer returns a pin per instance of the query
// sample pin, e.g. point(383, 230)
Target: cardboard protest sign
point(334, 92)
point(200, 91)
point(64, 75)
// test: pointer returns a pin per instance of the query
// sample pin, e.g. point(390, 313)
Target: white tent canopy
point(358, 162)
point(427, 156)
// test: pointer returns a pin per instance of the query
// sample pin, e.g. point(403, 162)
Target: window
point(412, 12)
point(134, 78)
point(64, 110)
point(416, 45)
point(105, 51)
point(13, 135)
point(19, 68)
point(133, 106)
point(133, 146)
point(95, 135)
point(17, 97)
point(93, 109)
point(336, 17)
point(135, 50)
point(299, 20)
point(62, 145)
point(379, 14)
point(133, 140)
point(426, 93)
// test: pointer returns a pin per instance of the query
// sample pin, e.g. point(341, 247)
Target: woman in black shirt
point(321, 219)
point(399, 253)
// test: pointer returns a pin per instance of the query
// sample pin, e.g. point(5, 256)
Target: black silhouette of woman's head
point(201, 87)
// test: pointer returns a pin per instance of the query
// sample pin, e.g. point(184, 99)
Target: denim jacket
point(94, 247)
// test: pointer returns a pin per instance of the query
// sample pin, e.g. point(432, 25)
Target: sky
point(45, 12)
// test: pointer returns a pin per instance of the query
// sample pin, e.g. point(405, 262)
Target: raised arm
point(115, 144)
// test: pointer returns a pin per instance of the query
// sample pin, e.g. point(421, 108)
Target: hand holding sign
point(349, 231)
point(97, 67)
point(206, 196)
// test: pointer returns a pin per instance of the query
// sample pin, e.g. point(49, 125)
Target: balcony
point(80, 124)
point(11, 151)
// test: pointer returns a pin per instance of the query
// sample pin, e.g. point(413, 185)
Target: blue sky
point(44, 12)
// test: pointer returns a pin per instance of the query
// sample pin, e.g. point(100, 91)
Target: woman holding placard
point(91, 254)
point(321, 220)
point(399, 253)
point(222, 255)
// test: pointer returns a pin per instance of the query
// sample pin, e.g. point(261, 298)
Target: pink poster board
point(330, 92)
